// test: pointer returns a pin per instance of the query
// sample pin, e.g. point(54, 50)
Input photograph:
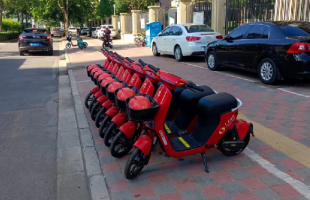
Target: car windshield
point(198, 28)
point(294, 31)
point(110, 26)
point(35, 31)
point(72, 28)
point(98, 28)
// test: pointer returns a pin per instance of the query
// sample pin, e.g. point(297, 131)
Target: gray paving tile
point(267, 194)
point(298, 198)
point(114, 176)
point(139, 181)
point(303, 172)
point(176, 173)
point(246, 162)
point(278, 156)
point(240, 174)
point(122, 195)
point(193, 194)
point(163, 188)
point(271, 180)
point(203, 180)
point(233, 187)
point(224, 198)
point(107, 159)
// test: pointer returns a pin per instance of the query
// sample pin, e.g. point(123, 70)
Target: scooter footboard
point(128, 129)
point(243, 128)
point(144, 143)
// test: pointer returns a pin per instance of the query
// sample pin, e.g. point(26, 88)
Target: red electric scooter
point(217, 126)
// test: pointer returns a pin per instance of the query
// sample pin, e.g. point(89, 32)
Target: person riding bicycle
point(107, 36)
point(69, 38)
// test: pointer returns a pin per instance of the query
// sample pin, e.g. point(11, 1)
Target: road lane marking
point(284, 90)
point(220, 72)
point(298, 185)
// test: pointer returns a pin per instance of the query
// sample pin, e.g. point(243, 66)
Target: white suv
point(84, 31)
point(72, 31)
point(103, 27)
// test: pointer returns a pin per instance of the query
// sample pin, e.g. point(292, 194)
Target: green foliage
point(128, 5)
point(104, 9)
point(10, 25)
point(4, 36)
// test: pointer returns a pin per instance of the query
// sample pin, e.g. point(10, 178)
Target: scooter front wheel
point(88, 99)
point(99, 117)
point(135, 164)
point(110, 134)
point(104, 125)
point(94, 111)
point(92, 103)
point(121, 145)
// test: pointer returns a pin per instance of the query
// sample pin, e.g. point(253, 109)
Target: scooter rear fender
point(128, 129)
point(119, 119)
point(144, 143)
point(243, 128)
point(107, 104)
point(95, 90)
point(112, 111)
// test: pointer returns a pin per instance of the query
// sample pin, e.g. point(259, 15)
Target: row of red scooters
point(135, 104)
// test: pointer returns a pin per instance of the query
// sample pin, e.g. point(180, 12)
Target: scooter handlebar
point(153, 68)
point(129, 60)
point(141, 61)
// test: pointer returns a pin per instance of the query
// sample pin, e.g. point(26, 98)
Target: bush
point(4, 36)
point(10, 25)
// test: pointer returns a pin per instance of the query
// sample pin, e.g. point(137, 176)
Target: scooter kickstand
point(204, 157)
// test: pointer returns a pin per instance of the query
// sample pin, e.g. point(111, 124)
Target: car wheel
point(154, 49)
point(50, 53)
point(268, 71)
point(211, 60)
point(178, 54)
point(21, 53)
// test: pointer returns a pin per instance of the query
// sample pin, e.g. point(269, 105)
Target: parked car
point(72, 31)
point(55, 32)
point(110, 27)
point(90, 31)
point(94, 33)
point(184, 40)
point(84, 31)
point(32, 39)
point(274, 50)
point(62, 31)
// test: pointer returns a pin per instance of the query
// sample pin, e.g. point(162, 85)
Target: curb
point(95, 179)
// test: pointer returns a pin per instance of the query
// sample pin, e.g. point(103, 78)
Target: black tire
point(136, 160)
point(50, 53)
point(234, 153)
point(110, 134)
point(88, 99)
point(94, 111)
point(212, 61)
point(267, 70)
point(154, 50)
point(21, 53)
point(99, 117)
point(178, 54)
point(121, 145)
point(104, 125)
point(92, 103)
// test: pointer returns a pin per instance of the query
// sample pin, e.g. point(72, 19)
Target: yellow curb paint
point(289, 147)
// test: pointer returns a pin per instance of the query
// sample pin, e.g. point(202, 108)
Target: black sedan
point(275, 50)
point(32, 39)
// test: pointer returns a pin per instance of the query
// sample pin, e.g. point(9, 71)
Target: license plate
point(34, 44)
point(203, 48)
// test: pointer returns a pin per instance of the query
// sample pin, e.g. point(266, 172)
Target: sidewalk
point(261, 172)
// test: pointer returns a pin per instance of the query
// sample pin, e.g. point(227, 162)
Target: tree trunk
point(23, 21)
point(0, 20)
point(66, 24)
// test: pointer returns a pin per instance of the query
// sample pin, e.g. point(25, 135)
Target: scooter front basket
point(145, 114)
point(122, 104)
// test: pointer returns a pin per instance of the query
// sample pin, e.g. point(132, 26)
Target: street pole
point(114, 8)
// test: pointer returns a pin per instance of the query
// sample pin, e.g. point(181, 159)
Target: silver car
point(55, 32)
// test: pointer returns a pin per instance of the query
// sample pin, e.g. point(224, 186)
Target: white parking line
point(220, 72)
point(284, 90)
point(298, 185)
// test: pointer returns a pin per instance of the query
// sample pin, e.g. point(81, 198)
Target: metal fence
point(239, 12)
point(128, 26)
point(145, 17)
point(198, 6)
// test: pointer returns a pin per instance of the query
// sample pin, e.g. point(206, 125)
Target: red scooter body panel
point(112, 111)
point(103, 76)
point(95, 90)
point(120, 72)
point(107, 104)
point(135, 81)
point(98, 94)
point(119, 119)
point(92, 72)
point(128, 129)
point(90, 67)
point(147, 87)
point(144, 143)
point(110, 66)
point(102, 99)
point(227, 122)
point(106, 63)
point(115, 69)
point(126, 76)
point(242, 128)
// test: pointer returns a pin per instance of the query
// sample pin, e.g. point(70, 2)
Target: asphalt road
point(28, 124)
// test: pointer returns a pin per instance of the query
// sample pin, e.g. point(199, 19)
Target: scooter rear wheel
point(94, 111)
point(121, 145)
point(135, 164)
point(233, 153)
point(88, 99)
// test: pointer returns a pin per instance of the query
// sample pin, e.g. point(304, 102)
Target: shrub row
point(10, 25)
point(4, 36)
